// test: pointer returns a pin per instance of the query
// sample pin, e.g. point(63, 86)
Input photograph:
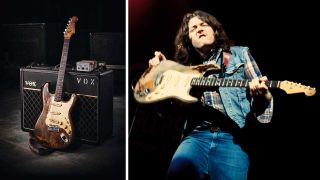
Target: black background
point(94, 16)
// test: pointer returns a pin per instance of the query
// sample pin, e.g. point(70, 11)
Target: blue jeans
point(204, 153)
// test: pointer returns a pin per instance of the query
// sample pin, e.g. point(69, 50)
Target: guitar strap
point(36, 147)
point(224, 62)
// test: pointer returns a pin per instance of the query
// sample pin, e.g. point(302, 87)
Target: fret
point(202, 81)
point(193, 81)
point(234, 81)
point(238, 82)
point(213, 81)
point(208, 81)
point(224, 82)
point(229, 82)
point(218, 82)
point(273, 84)
point(198, 82)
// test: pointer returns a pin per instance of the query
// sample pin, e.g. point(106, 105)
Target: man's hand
point(158, 57)
point(258, 87)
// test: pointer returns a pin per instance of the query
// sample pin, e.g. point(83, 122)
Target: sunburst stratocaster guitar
point(54, 127)
point(172, 80)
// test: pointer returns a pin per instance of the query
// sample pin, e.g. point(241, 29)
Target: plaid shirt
point(213, 99)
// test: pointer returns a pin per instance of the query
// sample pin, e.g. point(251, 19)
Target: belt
point(205, 125)
point(214, 128)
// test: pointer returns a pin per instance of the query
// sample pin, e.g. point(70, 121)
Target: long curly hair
point(185, 53)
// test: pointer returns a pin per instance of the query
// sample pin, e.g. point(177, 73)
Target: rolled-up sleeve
point(252, 71)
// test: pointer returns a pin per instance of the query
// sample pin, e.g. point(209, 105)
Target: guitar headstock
point(70, 29)
point(291, 88)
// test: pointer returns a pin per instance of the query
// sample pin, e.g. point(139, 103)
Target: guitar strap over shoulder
point(36, 147)
point(224, 62)
point(226, 58)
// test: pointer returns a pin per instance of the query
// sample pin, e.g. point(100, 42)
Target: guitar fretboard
point(62, 69)
point(225, 82)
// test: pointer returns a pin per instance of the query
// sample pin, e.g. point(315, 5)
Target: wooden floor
point(87, 161)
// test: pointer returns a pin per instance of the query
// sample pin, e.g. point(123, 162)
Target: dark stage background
point(282, 39)
point(32, 32)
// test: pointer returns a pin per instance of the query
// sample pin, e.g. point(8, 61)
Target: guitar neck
point(221, 82)
point(62, 69)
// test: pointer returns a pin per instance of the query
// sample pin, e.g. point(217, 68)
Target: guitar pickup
point(55, 113)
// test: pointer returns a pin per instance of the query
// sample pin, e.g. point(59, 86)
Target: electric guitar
point(54, 127)
point(172, 80)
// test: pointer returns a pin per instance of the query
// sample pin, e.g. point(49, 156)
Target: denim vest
point(235, 100)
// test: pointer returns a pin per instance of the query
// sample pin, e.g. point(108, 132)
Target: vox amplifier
point(92, 115)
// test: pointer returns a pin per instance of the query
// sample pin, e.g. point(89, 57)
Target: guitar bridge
point(53, 128)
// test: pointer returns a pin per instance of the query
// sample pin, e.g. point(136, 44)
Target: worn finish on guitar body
point(54, 128)
point(169, 79)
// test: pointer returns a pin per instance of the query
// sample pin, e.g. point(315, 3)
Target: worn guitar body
point(169, 79)
point(54, 128)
